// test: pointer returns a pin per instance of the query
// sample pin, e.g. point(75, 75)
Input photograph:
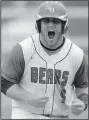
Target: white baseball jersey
point(37, 70)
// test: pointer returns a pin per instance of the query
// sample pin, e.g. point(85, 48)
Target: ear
point(65, 29)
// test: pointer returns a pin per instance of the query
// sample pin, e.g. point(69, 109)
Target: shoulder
point(13, 67)
point(75, 48)
point(76, 55)
point(28, 41)
point(76, 52)
point(16, 52)
point(27, 46)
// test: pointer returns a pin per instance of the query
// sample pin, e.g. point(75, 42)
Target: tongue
point(51, 34)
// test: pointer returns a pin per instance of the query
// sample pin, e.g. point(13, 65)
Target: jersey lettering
point(42, 74)
point(49, 76)
point(34, 74)
point(46, 76)
point(65, 78)
point(57, 76)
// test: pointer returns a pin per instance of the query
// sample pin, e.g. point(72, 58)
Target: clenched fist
point(77, 107)
point(38, 100)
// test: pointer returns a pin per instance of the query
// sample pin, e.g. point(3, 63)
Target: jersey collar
point(59, 56)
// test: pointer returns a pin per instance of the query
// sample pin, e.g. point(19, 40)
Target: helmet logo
point(49, 8)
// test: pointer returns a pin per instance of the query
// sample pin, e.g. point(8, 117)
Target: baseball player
point(45, 75)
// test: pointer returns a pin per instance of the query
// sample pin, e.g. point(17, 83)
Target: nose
point(51, 23)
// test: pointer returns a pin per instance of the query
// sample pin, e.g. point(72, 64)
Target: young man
point(43, 72)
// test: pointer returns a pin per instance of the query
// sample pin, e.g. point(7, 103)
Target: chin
point(51, 41)
point(51, 44)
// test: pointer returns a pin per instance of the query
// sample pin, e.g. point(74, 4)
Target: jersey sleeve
point(81, 77)
point(13, 68)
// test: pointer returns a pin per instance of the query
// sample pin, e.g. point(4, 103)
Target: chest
point(41, 70)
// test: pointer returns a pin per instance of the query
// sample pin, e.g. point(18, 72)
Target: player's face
point(51, 31)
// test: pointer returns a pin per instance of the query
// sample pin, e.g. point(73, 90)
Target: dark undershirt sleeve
point(5, 84)
point(81, 77)
point(12, 69)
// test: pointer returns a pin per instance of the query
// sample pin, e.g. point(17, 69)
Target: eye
point(55, 21)
point(46, 21)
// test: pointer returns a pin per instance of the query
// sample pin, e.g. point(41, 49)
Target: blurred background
point(18, 23)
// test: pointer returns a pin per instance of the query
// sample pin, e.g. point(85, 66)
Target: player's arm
point(81, 83)
point(12, 72)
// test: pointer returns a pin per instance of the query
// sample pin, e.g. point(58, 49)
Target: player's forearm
point(13, 90)
point(17, 93)
point(82, 94)
point(81, 90)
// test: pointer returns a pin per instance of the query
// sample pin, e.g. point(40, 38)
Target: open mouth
point(51, 34)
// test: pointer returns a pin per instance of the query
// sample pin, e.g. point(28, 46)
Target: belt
point(55, 116)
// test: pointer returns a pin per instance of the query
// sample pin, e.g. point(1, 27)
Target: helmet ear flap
point(65, 29)
point(38, 26)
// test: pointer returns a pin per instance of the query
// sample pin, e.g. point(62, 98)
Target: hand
point(77, 107)
point(38, 100)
